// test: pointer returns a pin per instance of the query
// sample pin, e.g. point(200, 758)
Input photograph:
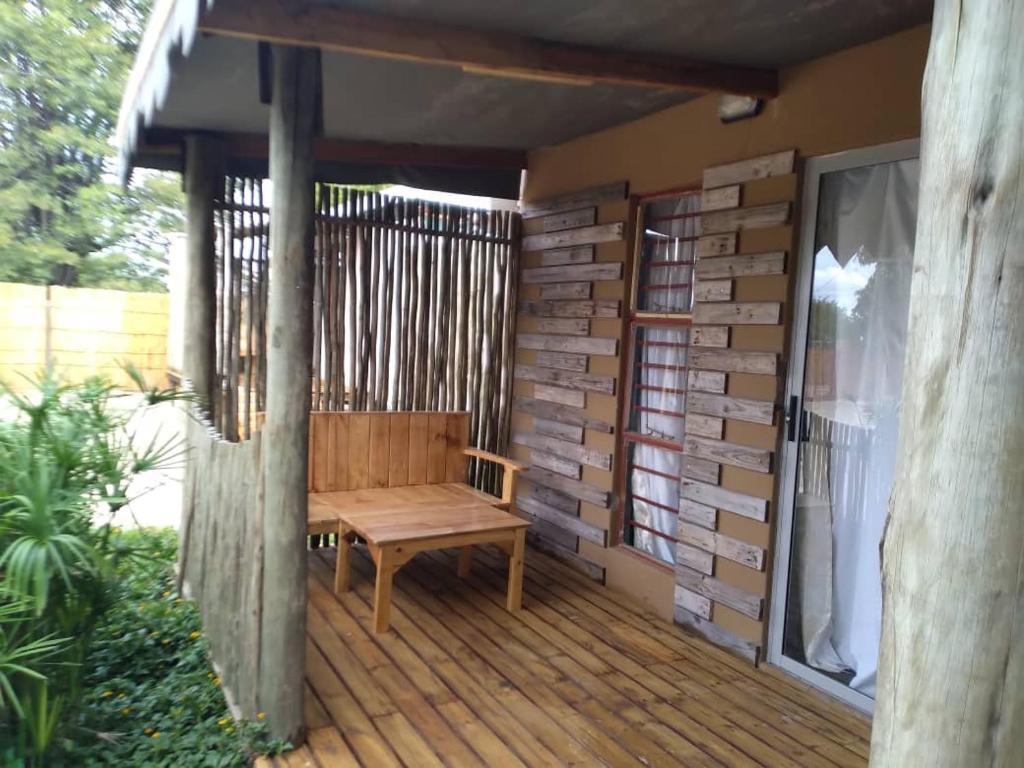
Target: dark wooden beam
point(326, 150)
point(294, 22)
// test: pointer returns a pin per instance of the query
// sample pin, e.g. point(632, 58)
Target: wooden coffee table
point(393, 535)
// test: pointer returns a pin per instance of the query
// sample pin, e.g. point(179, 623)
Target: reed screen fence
point(413, 308)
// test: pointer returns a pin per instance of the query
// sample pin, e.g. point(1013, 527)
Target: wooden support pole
point(951, 670)
point(289, 353)
point(204, 178)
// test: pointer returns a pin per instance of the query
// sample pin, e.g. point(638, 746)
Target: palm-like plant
point(68, 456)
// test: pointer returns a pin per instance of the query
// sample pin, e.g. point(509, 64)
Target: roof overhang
point(451, 93)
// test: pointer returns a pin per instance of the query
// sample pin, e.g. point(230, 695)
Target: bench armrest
point(512, 469)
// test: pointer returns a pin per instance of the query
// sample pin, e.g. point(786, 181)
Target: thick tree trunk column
point(204, 177)
point(289, 352)
point(951, 672)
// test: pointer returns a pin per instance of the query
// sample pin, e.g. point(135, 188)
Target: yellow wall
point(91, 331)
point(858, 97)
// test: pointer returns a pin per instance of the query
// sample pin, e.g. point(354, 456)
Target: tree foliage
point(63, 216)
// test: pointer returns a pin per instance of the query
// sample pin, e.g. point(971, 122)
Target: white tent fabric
point(865, 245)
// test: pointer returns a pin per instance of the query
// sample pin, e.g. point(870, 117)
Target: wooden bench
point(398, 481)
point(356, 450)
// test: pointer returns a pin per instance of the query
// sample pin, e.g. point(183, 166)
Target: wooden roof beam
point(328, 150)
point(330, 28)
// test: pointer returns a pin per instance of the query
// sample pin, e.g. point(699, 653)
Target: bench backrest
point(349, 450)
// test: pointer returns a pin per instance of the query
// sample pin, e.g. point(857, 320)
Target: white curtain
point(863, 262)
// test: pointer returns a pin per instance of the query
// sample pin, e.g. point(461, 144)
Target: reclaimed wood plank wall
point(733, 412)
point(566, 372)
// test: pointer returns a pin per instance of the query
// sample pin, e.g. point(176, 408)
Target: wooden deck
point(580, 676)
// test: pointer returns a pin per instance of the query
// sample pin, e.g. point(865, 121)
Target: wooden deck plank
point(580, 676)
point(483, 688)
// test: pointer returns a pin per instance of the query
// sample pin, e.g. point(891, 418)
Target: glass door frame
point(814, 169)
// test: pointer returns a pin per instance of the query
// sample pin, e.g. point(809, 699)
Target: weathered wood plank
point(720, 199)
point(557, 499)
point(560, 395)
point(574, 273)
point(584, 382)
point(579, 453)
point(599, 233)
point(717, 590)
point(733, 501)
point(571, 558)
point(600, 308)
point(573, 326)
point(738, 219)
point(701, 514)
point(557, 429)
point(712, 290)
point(581, 528)
point(566, 290)
point(581, 217)
point(692, 602)
point(583, 198)
point(756, 459)
point(716, 635)
point(704, 381)
point(710, 336)
point(776, 164)
point(557, 464)
point(585, 345)
point(556, 412)
point(740, 313)
point(745, 265)
point(695, 558)
point(716, 245)
point(704, 426)
point(733, 361)
point(580, 490)
point(566, 361)
point(700, 469)
point(719, 544)
point(581, 254)
point(744, 409)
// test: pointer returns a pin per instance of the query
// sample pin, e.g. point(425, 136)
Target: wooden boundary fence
point(413, 308)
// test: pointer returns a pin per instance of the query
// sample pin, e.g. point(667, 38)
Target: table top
point(382, 516)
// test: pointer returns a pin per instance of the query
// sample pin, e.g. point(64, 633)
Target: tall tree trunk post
point(204, 178)
point(289, 346)
point(951, 671)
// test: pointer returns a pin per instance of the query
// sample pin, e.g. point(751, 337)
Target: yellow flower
point(165, 641)
point(126, 710)
point(167, 594)
point(107, 694)
point(216, 681)
point(223, 721)
point(261, 715)
point(230, 730)
point(156, 734)
point(195, 634)
point(178, 601)
point(120, 695)
point(147, 731)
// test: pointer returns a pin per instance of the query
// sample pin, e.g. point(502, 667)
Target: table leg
point(382, 592)
point(515, 572)
point(343, 566)
point(465, 562)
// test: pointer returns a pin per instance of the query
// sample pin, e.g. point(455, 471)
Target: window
point(658, 318)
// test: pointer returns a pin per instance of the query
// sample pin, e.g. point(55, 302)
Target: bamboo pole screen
point(413, 309)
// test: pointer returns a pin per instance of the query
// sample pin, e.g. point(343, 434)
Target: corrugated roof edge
point(171, 30)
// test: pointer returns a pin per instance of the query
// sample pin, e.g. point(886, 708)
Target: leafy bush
point(68, 460)
point(151, 696)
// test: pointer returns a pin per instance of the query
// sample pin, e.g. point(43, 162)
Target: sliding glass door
point(844, 386)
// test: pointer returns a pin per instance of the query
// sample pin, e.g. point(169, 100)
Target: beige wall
point(858, 97)
point(90, 331)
